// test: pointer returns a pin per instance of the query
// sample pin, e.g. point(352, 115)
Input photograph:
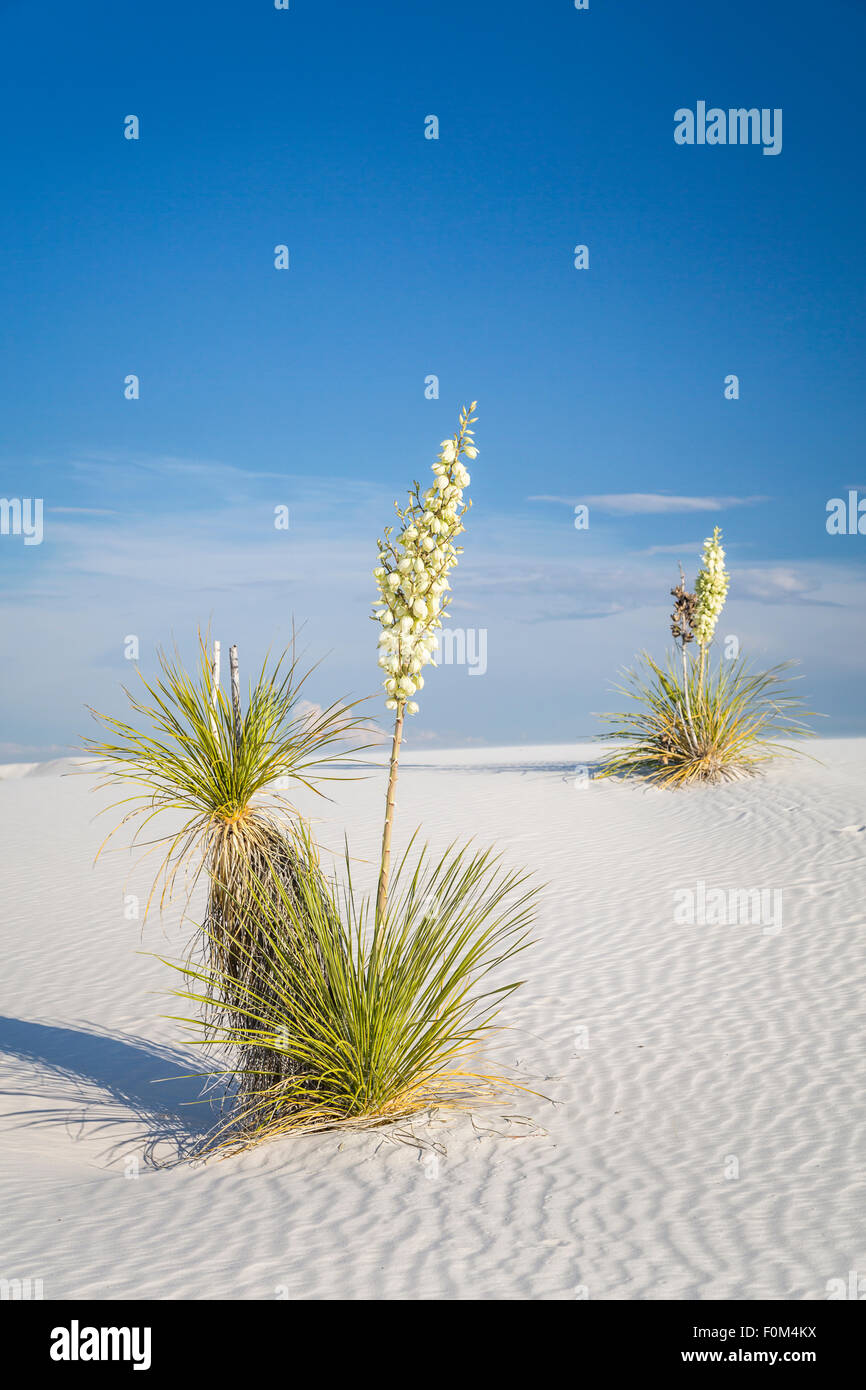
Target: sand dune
point(705, 1128)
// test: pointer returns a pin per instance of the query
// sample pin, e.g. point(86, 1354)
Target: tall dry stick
point(382, 897)
point(681, 626)
point(236, 692)
point(214, 687)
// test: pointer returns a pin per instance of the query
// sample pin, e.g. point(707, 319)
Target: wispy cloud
point(15, 750)
point(81, 511)
point(107, 462)
point(650, 503)
point(784, 584)
point(684, 548)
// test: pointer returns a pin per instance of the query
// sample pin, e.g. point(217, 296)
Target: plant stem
point(382, 896)
point(701, 673)
point(691, 730)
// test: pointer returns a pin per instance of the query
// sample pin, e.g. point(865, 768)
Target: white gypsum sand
point(676, 1055)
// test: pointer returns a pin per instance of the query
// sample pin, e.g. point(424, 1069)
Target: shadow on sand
point(98, 1082)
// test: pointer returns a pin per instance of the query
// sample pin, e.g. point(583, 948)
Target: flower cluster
point(412, 573)
point(711, 588)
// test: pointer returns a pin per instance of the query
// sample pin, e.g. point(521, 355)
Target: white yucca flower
point(711, 588)
point(413, 568)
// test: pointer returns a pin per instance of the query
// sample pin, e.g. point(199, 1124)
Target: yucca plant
point(375, 1004)
point(334, 1008)
point(376, 1017)
point(690, 724)
point(713, 726)
point(195, 753)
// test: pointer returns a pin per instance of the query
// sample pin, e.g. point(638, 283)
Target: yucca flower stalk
point(194, 753)
point(711, 590)
point(412, 576)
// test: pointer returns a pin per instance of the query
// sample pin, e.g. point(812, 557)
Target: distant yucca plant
point(732, 723)
point(376, 1017)
point(194, 752)
point(690, 725)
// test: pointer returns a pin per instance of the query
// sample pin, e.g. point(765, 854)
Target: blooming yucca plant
point(375, 1006)
point(333, 1008)
point(689, 723)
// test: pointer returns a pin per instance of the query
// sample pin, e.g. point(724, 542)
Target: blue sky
point(412, 257)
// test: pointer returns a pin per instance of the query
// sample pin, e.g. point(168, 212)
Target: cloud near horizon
point(649, 503)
